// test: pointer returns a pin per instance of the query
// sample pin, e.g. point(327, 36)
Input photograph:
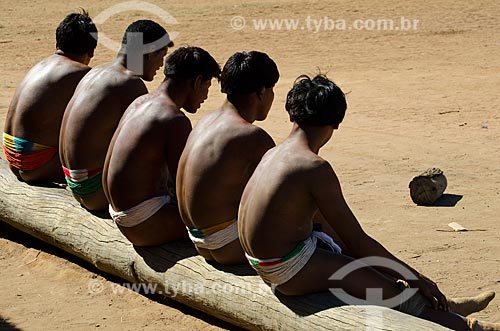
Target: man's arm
point(331, 203)
point(135, 88)
point(177, 133)
point(261, 144)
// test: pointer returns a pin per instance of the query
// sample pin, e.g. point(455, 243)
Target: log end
point(426, 188)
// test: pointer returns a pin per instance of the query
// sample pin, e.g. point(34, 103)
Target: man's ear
point(91, 53)
point(197, 82)
point(260, 93)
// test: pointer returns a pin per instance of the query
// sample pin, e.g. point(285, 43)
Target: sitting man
point(98, 104)
point(31, 134)
point(221, 154)
point(289, 186)
point(141, 163)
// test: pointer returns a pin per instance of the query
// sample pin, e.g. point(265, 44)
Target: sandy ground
point(417, 99)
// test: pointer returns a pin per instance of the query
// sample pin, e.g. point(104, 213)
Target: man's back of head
point(248, 72)
point(76, 34)
point(190, 62)
point(315, 102)
point(145, 36)
point(144, 45)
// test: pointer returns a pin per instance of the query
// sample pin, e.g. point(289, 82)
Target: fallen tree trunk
point(427, 187)
point(233, 294)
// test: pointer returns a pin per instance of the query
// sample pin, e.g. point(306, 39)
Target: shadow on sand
point(447, 200)
point(5, 325)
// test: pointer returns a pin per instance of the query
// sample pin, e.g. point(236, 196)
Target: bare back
point(219, 158)
point(143, 155)
point(38, 106)
point(278, 204)
point(94, 112)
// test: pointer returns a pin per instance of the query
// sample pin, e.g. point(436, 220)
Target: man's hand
point(430, 290)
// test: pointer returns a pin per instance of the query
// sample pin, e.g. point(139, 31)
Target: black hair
point(315, 102)
point(248, 72)
point(151, 32)
point(190, 62)
point(73, 35)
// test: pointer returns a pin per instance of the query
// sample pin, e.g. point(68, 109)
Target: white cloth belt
point(139, 213)
point(280, 273)
point(218, 239)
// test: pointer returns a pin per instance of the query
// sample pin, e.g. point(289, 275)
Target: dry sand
point(417, 99)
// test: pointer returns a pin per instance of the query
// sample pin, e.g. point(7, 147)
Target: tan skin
point(293, 177)
point(144, 154)
point(220, 156)
point(36, 110)
point(94, 112)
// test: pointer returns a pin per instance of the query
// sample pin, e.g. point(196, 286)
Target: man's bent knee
point(94, 202)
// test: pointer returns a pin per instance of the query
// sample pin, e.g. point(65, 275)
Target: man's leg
point(49, 172)
point(326, 228)
point(456, 322)
point(94, 202)
point(164, 226)
point(232, 253)
point(462, 306)
point(314, 277)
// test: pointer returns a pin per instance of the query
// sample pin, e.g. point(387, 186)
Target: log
point(234, 294)
point(427, 187)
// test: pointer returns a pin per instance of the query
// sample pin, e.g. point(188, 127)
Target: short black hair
point(190, 62)
point(73, 35)
point(248, 72)
point(315, 102)
point(151, 32)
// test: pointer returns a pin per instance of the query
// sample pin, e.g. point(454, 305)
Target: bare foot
point(475, 325)
point(467, 306)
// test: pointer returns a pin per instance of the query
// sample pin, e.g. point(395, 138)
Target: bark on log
point(429, 186)
point(234, 294)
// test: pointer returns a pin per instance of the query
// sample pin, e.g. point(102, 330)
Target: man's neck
point(71, 56)
point(175, 90)
point(121, 59)
point(245, 107)
point(313, 137)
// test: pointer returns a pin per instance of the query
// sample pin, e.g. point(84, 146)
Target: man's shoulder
point(63, 66)
point(133, 83)
point(258, 135)
point(161, 107)
point(320, 170)
point(246, 133)
point(160, 114)
point(230, 128)
point(320, 163)
point(110, 77)
point(114, 73)
point(172, 116)
point(239, 127)
point(305, 168)
point(211, 116)
point(53, 70)
point(312, 163)
point(210, 122)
